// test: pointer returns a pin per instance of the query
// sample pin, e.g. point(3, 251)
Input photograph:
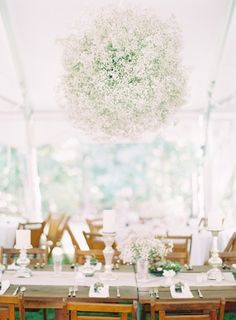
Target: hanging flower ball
point(123, 76)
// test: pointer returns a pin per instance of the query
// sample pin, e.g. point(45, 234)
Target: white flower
point(144, 246)
point(123, 76)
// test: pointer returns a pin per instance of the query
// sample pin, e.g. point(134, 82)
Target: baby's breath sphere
point(123, 76)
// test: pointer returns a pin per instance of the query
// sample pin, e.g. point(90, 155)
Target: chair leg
point(144, 311)
point(44, 314)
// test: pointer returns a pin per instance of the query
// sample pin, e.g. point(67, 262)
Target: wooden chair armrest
point(231, 254)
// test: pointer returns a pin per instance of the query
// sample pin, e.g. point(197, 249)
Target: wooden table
point(208, 292)
point(53, 296)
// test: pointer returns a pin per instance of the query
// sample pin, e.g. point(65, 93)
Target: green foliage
point(74, 175)
point(12, 172)
point(159, 267)
point(159, 170)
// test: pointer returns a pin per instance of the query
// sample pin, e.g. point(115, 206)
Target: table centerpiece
point(142, 250)
point(157, 268)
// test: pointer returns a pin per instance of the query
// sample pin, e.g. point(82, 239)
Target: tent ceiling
point(30, 54)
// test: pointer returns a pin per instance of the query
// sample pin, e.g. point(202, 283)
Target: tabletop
point(45, 289)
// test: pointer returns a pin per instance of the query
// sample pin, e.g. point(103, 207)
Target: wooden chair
point(95, 225)
point(36, 229)
point(94, 240)
point(72, 237)
point(56, 227)
point(181, 248)
point(113, 311)
point(188, 310)
point(36, 255)
point(81, 255)
point(8, 304)
point(96, 246)
point(229, 253)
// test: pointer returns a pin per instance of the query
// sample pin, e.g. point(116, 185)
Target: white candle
point(23, 239)
point(109, 221)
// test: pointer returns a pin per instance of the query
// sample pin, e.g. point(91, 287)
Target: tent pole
point(31, 190)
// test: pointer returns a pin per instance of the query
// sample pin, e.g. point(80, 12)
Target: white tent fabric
point(31, 66)
point(219, 165)
point(30, 56)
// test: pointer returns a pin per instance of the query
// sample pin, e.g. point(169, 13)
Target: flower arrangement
point(159, 267)
point(123, 75)
point(97, 287)
point(145, 247)
point(179, 286)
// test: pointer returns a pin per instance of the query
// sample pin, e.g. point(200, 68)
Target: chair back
point(56, 228)
point(72, 237)
point(188, 310)
point(231, 245)
point(95, 225)
point(229, 253)
point(36, 255)
point(36, 229)
point(94, 240)
point(108, 311)
point(182, 246)
point(8, 304)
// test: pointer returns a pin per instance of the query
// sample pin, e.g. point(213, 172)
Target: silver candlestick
point(215, 261)
point(23, 261)
point(108, 252)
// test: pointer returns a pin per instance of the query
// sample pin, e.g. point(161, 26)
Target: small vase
point(142, 269)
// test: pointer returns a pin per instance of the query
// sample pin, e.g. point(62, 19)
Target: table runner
point(192, 279)
point(122, 279)
point(69, 279)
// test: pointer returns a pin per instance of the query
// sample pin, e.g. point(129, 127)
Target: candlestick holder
point(215, 261)
point(23, 261)
point(108, 252)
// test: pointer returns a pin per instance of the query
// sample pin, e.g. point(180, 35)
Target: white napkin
point(186, 293)
point(5, 286)
point(103, 293)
